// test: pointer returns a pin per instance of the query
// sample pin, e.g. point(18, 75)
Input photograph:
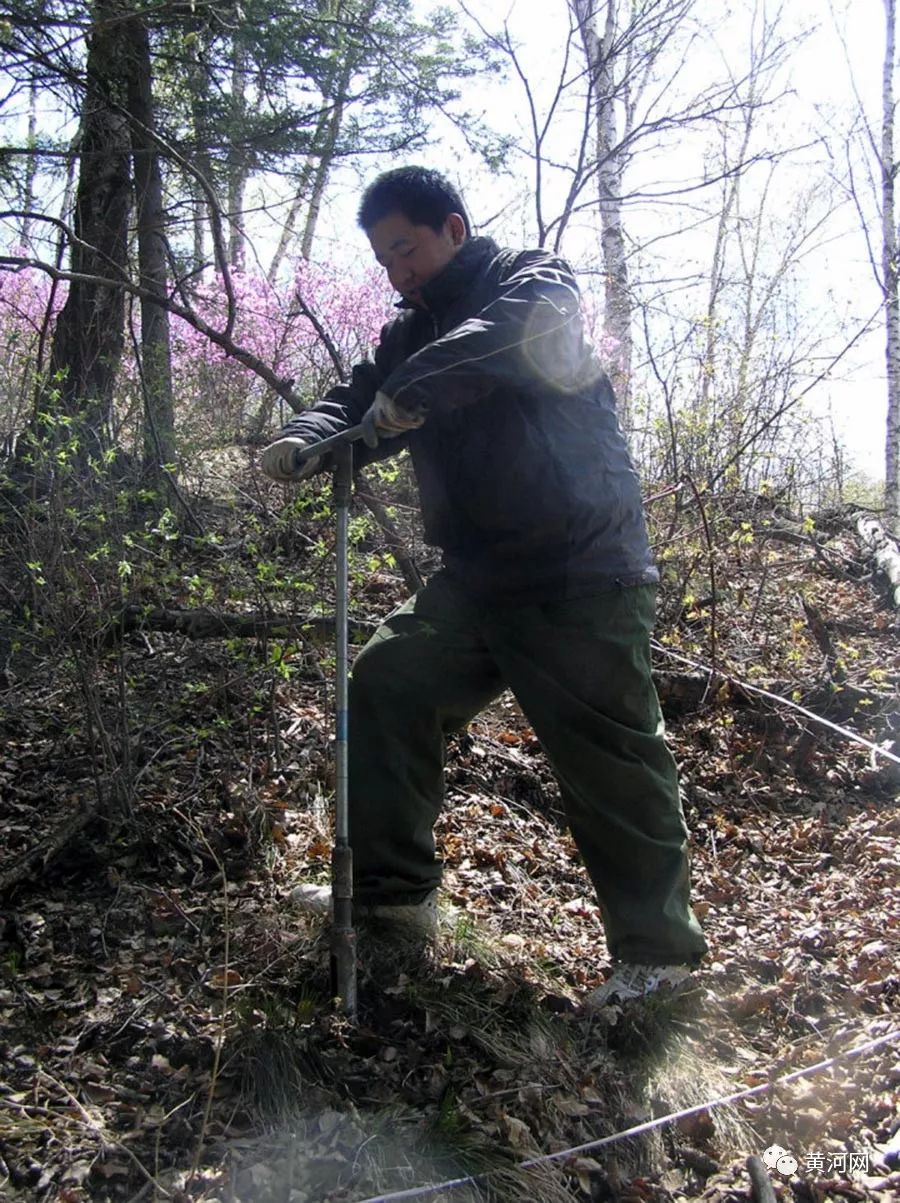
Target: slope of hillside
point(166, 1029)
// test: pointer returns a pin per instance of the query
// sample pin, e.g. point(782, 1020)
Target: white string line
point(853, 736)
point(417, 1192)
point(519, 342)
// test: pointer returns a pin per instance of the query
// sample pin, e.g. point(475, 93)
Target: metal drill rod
point(343, 935)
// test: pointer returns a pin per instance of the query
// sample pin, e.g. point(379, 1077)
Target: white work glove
point(385, 419)
point(278, 460)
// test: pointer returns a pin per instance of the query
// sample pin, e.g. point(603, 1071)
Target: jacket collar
point(447, 285)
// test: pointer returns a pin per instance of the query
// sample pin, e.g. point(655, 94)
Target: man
point(547, 585)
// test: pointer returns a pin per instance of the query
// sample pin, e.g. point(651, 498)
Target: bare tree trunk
point(317, 167)
point(710, 383)
point(891, 269)
point(156, 354)
point(237, 164)
point(31, 165)
point(89, 336)
point(197, 87)
point(290, 222)
point(618, 309)
point(730, 190)
point(600, 55)
point(320, 175)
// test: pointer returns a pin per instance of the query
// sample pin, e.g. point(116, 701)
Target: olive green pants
point(580, 670)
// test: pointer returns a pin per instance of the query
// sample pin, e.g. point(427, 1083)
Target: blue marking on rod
point(342, 724)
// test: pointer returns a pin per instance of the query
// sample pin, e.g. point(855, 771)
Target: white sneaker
point(636, 981)
point(418, 918)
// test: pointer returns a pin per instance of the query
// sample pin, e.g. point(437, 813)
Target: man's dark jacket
point(524, 477)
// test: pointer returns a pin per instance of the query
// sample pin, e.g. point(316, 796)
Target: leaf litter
point(166, 1026)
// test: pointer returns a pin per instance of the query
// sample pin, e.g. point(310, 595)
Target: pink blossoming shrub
point(219, 400)
point(24, 300)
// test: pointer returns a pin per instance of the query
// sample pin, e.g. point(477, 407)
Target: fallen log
point(884, 551)
point(211, 624)
point(684, 693)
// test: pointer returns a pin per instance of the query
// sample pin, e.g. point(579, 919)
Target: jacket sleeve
point(344, 406)
point(528, 336)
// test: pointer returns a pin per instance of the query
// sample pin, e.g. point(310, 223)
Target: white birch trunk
point(237, 167)
point(618, 310)
point(890, 268)
point(31, 165)
point(884, 551)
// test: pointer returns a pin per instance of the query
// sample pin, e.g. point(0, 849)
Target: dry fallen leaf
point(518, 1133)
point(223, 978)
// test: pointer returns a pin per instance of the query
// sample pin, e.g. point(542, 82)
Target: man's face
point(412, 255)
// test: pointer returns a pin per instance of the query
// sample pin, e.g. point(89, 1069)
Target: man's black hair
point(422, 196)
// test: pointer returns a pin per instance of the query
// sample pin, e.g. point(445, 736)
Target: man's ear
point(456, 228)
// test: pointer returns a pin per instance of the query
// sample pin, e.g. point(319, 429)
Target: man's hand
point(384, 419)
point(278, 460)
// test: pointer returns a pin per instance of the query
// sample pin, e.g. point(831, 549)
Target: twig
point(668, 492)
point(405, 562)
point(220, 1042)
point(327, 341)
point(712, 576)
point(29, 1110)
point(97, 1130)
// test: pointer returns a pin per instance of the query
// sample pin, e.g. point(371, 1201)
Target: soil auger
point(343, 933)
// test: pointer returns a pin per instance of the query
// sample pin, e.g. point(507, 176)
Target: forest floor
point(166, 1025)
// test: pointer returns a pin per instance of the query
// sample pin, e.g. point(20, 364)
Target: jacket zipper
point(434, 323)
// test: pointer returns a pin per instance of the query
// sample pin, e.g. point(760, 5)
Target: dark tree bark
point(89, 337)
point(156, 355)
